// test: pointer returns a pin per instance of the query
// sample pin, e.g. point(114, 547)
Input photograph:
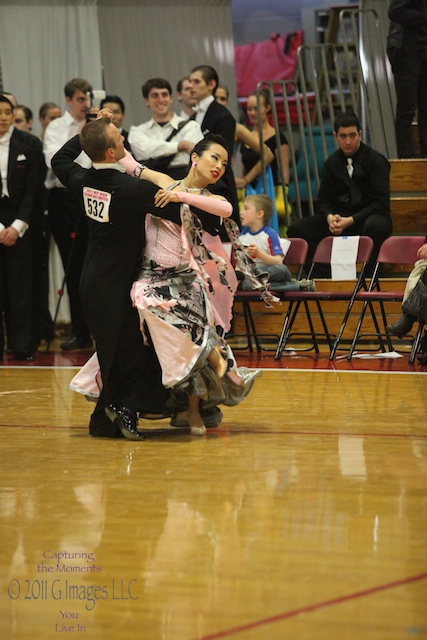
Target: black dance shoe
point(125, 419)
point(402, 326)
point(107, 430)
point(75, 343)
point(25, 356)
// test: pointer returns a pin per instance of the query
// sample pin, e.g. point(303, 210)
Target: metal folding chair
point(399, 251)
point(297, 298)
point(295, 257)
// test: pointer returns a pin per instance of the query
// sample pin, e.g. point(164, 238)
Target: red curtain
point(274, 59)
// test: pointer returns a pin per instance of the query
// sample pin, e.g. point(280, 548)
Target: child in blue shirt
point(264, 246)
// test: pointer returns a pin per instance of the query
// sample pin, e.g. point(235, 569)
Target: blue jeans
point(279, 277)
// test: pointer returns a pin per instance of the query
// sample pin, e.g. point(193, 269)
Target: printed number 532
point(94, 207)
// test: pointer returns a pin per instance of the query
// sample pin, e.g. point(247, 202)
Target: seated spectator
point(117, 106)
point(414, 305)
point(354, 194)
point(263, 245)
point(163, 143)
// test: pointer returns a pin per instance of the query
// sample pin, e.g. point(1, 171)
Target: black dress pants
point(69, 228)
point(410, 81)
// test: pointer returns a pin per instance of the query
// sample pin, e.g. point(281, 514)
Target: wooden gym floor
point(303, 516)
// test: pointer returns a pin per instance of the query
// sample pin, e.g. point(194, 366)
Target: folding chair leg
point(341, 330)
point(287, 324)
point(250, 327)
point(324, 325)
point(389, 343)
point(357, 332)
point(416, 342)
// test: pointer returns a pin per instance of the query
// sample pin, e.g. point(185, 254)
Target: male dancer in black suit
point(115, 205)
point(215, 118)
point(20, 169)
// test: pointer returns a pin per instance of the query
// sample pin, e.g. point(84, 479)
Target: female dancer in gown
point(182, 293)
point(178, 302)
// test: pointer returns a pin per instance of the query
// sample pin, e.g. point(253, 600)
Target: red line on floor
point(314, 607)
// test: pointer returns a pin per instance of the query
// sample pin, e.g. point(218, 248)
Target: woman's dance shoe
point(198, 431)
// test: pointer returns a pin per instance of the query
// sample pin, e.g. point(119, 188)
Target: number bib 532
point(97, 204)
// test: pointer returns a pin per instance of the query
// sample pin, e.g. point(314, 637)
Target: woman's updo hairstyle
point(265, 95)
point(207, 142)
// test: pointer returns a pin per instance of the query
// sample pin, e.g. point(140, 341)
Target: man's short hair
point(208, 74)
point(28, 114)
point(155, 83)
point(180, 83)
point(262, 202)
point(47, 106)
point(346, 119)
point(115, 100)
point(6, 99)
point(12, 98)
point(77, 84)
point(95, 139)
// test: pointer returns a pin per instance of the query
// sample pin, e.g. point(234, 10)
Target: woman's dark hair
point(207, 142)
point(265, 94)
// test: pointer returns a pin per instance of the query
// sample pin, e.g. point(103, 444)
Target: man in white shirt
point(165, 142)
point(66, 216)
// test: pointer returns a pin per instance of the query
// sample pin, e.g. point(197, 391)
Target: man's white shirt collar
point(109, 165)
point(5, 139)
point(174, 122)
point(202, 107)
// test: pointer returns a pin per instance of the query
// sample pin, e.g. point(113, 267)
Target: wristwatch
point(138, 170)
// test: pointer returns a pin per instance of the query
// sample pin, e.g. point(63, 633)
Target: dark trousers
point(135, 377)
point(40, 238)
point(16, 287)
point(69, 228)
point(314, 228)
point(410, 81)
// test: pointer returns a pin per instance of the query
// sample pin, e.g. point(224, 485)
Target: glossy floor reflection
point(303, 516)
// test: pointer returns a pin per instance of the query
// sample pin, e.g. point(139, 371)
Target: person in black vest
point(354, 194)
point(213, 117)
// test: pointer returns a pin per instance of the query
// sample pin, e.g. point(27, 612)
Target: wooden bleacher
point(408, 203)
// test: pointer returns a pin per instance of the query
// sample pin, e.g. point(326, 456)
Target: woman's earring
point(194, 164)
